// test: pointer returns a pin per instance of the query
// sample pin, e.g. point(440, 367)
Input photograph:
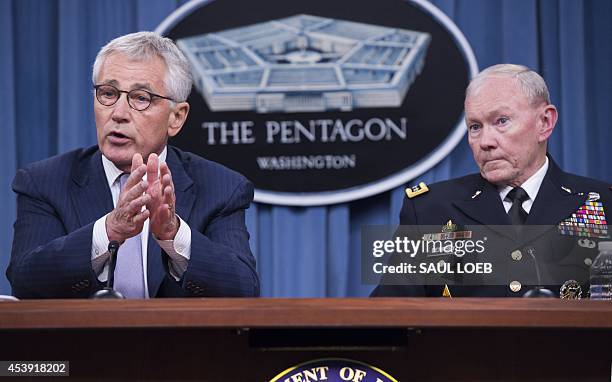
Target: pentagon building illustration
point(305, 63)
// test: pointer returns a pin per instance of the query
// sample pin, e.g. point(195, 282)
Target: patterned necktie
point(516, 213)
point(129, 275)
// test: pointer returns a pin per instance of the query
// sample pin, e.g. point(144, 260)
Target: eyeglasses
point(138, 99)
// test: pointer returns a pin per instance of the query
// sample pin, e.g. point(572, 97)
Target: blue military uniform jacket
point(471, 200)
point(60, 198)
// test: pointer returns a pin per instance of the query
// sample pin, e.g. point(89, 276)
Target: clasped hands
point(156, 195)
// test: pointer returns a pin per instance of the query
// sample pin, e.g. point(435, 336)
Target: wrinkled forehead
point(118, 67)
point(496, 96)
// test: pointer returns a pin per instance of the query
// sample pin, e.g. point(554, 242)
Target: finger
point(136, 161)
point(135, 206)
point(164, 170)
point(152, 168)
point(166, 181)
point(169, 197)
point(135, 176)
point(166, 176)
point(141, 217)
point(166, 215)
point(129, 194)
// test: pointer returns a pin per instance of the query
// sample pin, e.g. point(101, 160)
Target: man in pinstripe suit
point(182, 217)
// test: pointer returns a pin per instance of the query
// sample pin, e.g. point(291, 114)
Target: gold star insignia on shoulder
point(413, 191)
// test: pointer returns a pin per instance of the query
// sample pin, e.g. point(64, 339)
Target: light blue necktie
point(129, 275)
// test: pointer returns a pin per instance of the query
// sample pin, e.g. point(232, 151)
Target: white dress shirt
point(531, 186)
point(178, 250)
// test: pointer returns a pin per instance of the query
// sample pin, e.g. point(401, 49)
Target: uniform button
point(515, 286)
point(516, 255)
point(586, 243)
point(588, 261)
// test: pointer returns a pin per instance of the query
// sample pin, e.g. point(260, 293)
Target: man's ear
point(547, 119)
point(178, 116)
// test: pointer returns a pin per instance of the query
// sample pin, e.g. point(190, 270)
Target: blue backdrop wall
point(47, 49)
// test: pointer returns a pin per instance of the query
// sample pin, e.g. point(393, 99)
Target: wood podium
point(412, 339)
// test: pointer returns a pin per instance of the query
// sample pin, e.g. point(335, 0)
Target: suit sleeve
point(221, 262)
point(46, 260)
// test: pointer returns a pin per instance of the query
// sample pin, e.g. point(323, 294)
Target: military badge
point(446, 292)
point(413, 191)
point(571, 290)
point(586, 243)
point(593, 197)
point(449, 232)
point(588, 221)
point(449, 226)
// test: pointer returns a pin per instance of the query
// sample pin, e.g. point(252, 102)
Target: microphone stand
point(538, 291)
point(108, 291)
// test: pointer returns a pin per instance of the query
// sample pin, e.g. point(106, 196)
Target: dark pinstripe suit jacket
point(60, 198)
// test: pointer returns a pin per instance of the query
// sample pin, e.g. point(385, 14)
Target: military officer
point(509, 118)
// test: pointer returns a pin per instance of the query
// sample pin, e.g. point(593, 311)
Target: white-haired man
point(179, 218)
point(509, 118)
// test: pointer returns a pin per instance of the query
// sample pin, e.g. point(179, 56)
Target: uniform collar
point(531, 185)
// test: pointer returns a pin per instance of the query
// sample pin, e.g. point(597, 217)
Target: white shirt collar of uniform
point(112, 172)
point(531, 186)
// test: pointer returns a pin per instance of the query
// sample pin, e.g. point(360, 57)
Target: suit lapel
point(185, 197)
point(90, 192)
point(486, 208)
point(552, 205)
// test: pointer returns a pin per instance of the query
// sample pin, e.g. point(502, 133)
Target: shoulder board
point(414, 191)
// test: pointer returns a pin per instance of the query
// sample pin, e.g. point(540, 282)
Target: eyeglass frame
point(128, 96)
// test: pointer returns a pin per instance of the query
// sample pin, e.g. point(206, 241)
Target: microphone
point(108, 291)
point(538, 291)
point(113, 247)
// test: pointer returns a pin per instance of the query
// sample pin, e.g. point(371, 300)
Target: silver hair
point(531, 83)
point(146, 45)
